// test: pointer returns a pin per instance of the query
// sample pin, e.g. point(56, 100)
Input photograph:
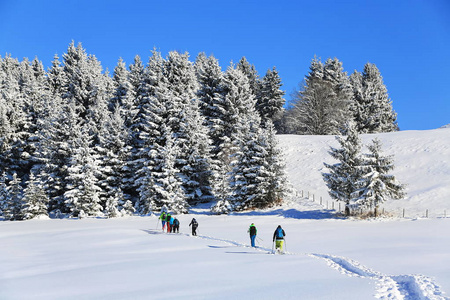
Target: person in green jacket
point(163, 218)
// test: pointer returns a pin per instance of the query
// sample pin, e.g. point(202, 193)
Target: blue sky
point(409, 40)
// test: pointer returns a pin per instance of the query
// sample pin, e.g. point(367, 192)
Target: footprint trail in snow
point(389, 287)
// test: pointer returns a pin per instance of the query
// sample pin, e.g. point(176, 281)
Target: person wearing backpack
point(176, 226)
point(252, 230)
point(194, 225)
point(169, 218)
point(163, 218)
point(172, 219)
point(278, 238)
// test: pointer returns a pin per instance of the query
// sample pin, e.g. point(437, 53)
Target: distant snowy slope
point(446, 126)
point(422, 161)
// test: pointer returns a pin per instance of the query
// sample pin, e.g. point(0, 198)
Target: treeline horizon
point(77, 141)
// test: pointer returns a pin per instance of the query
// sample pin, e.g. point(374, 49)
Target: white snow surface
point(326, 257)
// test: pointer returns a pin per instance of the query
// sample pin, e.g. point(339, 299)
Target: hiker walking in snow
point(169, 218)
point(163, 218)
point(194, 225)
point(278, 238)
point(252, 230)
point(176, 226)
point(172, 219)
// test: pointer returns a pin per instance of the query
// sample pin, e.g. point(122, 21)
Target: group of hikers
point(278, 237)
point(173, 226)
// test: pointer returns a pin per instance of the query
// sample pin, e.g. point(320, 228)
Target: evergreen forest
point(77, 141)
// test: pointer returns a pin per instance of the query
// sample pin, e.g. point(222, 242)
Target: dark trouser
point(194, 230)
point(176, 228)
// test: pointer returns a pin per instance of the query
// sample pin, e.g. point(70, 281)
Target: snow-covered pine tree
point(9, 89)
point(113, 154)
point(3, 195)
point(160, 183)
point(86, 86)
point(12, 209)
point(276, 183)
point(13, 118)
point(36, 96)
point(210, 97)
point(241, 147)
point(82, 193)
point(35, 200)
point(237, 97)
point(250, 178)
point(55, 77)
point(377, 185)
point(339, 79)
point(188, 127)
point(124, 94)
point(323, 104)
point(373, 108)
point(344, 177)
point(55, 131)
point(123, 107)
point(270, 99)
point(252, 75)
point(146, 130)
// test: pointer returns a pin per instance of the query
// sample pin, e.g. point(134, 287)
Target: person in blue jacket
point(278, 238)
point(252, 230)
point(172, 219)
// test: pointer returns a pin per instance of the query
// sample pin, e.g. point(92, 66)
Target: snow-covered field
point(328, 257)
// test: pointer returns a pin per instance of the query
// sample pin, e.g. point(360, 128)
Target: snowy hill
point(422, 161)
point(327, 257)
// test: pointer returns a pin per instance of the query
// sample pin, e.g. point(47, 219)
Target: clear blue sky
point(409, 40)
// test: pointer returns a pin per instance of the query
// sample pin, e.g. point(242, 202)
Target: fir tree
point(12, 208)
point(373, 109)
point(160, 184)
point(113, 154)
point(35, 200)
point(323, 104)
point(344, 177)
point(276, 182)
point(250, 72)
point(210, 97)
point(377, 185)
point(188, 127)
point(82, 195)
point(4, 209)
point(270, 100)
